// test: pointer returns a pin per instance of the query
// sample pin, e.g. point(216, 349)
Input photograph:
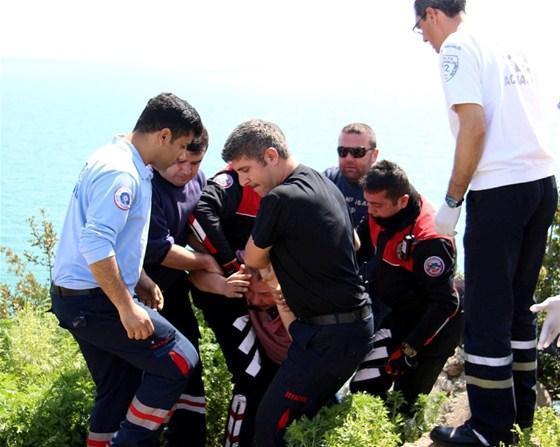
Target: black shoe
point(455, 436)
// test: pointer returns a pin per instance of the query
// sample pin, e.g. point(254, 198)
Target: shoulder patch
point(224, 180)
point(449, 66)
point(434, 266)
point(123, 198)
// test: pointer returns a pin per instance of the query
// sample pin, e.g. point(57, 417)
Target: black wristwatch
point(453, 203)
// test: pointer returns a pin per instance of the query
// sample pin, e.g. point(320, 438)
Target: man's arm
point(255, 257)
point(181, 258)
point(468, 149)
point(134, 318)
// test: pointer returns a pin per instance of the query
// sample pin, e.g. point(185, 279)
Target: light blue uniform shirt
point(108, 215)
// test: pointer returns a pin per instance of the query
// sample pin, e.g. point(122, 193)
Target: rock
point(543, 397)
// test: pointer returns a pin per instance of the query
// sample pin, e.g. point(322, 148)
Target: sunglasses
point(355, 152)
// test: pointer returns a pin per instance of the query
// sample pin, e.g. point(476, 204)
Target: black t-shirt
point(306, 221)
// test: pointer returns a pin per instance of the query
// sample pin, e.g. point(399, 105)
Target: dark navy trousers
point(505, 240)
point(138, 382)
point(320, 360)
point(187, 426)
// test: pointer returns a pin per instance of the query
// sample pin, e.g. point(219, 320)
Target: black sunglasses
point(356, 152)
point(416, 28)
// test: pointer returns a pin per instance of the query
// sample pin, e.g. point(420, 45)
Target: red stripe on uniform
point(180, 362)
point(283, 421)
point(192, 403)
point(149, 417)
point(92, 443)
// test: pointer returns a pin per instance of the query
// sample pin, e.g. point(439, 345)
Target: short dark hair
point(169, 111)
point(387, 176)
point(252, 138)
point(199, 144)
point(362, 129)
point(450, 8)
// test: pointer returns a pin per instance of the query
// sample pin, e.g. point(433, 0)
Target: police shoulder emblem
point(434, 266)
point(449, 66)
point(123, 198)
point(224, 180)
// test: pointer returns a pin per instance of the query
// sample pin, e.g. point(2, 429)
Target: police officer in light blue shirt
point(137, 359)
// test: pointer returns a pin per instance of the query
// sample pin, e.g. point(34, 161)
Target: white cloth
point(479, 72)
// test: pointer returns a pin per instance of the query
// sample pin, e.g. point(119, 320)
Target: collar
point(145, 172)
point(405, 217)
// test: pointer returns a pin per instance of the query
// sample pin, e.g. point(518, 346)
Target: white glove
point(446, 219)
point(551, 325)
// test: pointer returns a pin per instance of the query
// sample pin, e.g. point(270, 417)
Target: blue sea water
point(53, 114)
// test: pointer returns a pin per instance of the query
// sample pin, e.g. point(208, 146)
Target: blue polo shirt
point(108, 215)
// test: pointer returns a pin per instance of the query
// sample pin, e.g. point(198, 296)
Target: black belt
point(63, 291)
point(339, 318)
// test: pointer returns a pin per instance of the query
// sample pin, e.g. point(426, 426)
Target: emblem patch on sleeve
point(449, 66)
point(434, 266)
point(224, 180)
point(123, 198)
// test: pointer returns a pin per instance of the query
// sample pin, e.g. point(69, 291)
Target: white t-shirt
point(475, 72)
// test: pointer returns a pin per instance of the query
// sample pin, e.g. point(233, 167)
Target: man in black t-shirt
point(303, 244)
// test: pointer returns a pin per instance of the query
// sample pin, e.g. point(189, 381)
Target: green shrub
point(545, 432)
point(359, 420)
point(45, 388)
point(217, 384)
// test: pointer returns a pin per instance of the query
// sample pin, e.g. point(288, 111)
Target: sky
point(296, 44)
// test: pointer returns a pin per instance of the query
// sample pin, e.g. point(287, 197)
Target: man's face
point(379, 205)
point(429, 30)
point(184, 168)
point(255, 174)
point(353, 169)
point(169, 151)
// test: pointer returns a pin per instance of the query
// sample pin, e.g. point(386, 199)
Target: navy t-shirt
point(352, 192)
point(306, 222)
point(171, 206)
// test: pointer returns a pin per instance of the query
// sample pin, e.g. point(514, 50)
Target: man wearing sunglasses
point(496, 118)
point(357, 152)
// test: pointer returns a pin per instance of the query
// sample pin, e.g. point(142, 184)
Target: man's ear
point(165, 135)
point(271, 155)
point(403, 201)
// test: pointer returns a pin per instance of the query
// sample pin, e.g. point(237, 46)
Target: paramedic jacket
point(418, 285)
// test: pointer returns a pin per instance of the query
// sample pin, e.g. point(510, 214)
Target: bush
point(359, 420)
point(548, 285)
point(45, 388)
point(546, 430)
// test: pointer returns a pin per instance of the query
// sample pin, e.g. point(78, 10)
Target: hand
point(237, 284)
point(149, 293)
point(399, 363)
point(446, 219)
point(136, 322)
point(551, 325)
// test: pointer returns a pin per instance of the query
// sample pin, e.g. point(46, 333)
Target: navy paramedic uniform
point(306, 223)
point(425, 310)
point(222, 220)
point(171, 206)
point(137, 381)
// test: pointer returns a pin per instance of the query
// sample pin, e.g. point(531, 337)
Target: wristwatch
point(453, 203)
point(408, 350)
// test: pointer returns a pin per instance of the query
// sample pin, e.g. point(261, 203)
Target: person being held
point(303, 235)
point(500, 154)
point(175, 192)
point(249, 331)
point(414, 272)
point(139, 362)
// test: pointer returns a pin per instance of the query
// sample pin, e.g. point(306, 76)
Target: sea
point(54, 113)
